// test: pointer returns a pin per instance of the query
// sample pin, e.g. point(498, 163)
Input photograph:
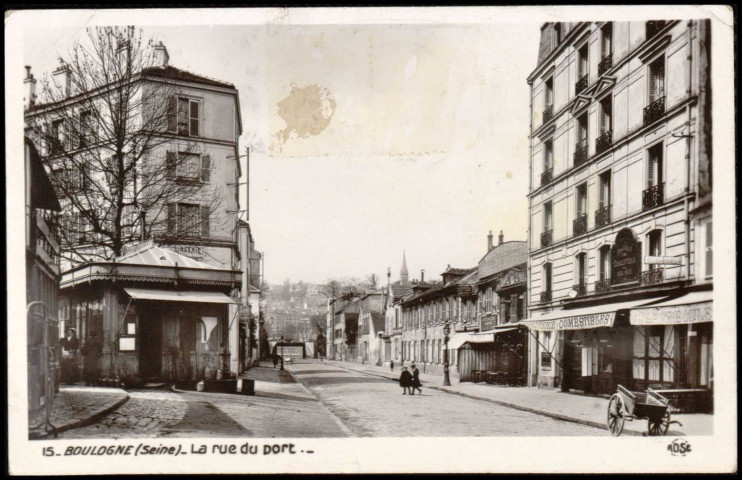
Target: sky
point(416, 142)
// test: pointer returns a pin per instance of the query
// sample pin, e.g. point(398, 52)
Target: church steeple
point(403, 275)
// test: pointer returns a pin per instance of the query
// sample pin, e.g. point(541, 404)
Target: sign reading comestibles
point(594, 320)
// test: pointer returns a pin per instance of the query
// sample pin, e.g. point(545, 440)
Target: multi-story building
point(392, 310)
point(161, 298)
point(619, 162)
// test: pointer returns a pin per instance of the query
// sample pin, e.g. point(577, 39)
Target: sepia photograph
point(253, 235)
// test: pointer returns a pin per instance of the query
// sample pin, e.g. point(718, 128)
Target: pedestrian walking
point(275, 359)
point(405, 381)
point(91, 351)
point(70, 373)
point(416, 380)
point(391, 365)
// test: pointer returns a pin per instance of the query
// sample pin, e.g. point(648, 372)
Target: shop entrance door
point(150, 341)
point(572, 365)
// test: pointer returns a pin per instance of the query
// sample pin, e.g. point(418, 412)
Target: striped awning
point(693, 307)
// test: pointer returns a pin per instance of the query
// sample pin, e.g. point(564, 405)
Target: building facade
point(166, 306)
point(618, 162)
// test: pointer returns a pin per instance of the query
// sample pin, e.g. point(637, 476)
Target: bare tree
point(106, 128)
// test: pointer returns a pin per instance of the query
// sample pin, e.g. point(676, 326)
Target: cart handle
point(623, 390)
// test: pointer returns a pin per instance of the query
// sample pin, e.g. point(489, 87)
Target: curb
point(339, 423)
point(515, 406)
point(82, 422)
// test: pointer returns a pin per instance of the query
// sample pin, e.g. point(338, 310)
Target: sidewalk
point(586, 410)
point(77, 406)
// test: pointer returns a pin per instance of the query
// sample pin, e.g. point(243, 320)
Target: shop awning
point(693, 307)
point(178, 296)
point(597, 316)
point(462, 338)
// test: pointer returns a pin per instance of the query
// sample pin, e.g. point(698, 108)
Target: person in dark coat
point(391, 365)
point(92, 351)
point(275, 359)
point(416, 380)
point(70, 345)
point(405, 381)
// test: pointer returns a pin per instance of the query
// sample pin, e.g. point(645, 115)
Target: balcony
point(581, 84)
point(653, 277)
point(548, 113)
point(603, 286)
point(545, 296)
point(605, 64)
point(654, 27)
point(654, 111)
point(580, 155)
point(546, 238)
point(603, 216)
point(581, 289)
point(579, 224)
point(653, 197)
point(603, 142)
point(547, 176)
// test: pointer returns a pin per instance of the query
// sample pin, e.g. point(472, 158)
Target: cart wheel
point(659, 427)
point(615, 415)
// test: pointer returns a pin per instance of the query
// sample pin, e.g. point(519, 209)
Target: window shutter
point(652, 84)
point(601, 192)
point(205, 168)
point(171, 163)
point(172, 114)
point(171, 218)
point(650, 172)
point(205, 221)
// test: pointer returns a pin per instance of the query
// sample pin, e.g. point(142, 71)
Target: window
point(581, 269)
point(56, 137)
point(655, 245)
point(557, 34)
point(549, 92)
point(184, 116)
point(606, 115)
point(581, 200)
point(187, 166)
point(86, 128)
point(604, 270)
point(606, 44)
point(548, 173)
point(654, 166)
point(582, 61)
point(657, 79)
point(708, 251)
point(188, 220)
point(84, 227)
point(604, 189)
point(654, 354)
point(547, 277)
point(548, 218)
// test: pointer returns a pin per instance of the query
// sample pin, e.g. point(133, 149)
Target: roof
point(458, 271)
point(503, 256)
point(351, 316)
point(173, 73)
point(399, 291)
point(150, 254)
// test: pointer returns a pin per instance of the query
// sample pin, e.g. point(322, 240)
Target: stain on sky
point(306, 111)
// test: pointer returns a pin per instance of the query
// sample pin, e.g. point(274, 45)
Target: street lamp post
point(282, 353)
point(446, 378)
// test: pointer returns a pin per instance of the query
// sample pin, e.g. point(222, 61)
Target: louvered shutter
point(650, 172)
point(652, 85)
point(205, 221)
point(172, 211)
point(171, 164)
point(172, 114)
point(205, 168)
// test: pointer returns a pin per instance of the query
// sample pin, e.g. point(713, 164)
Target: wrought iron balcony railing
point(546, 238)
point(581, 84)
point(604, 142)
point(548, 113)
point(547, 176)
point(580, 155)
point(603, 216)
point(654, 111)
point(653, 277)
point(653, 196)
point(545, 296)
point(579, 225)
point(581, 289)
point(654, 27)
point(603, 286)
point(605, 64)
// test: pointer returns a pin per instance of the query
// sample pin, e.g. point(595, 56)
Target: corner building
point(620, 269)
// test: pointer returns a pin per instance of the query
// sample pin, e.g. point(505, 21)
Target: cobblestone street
point(373, 406)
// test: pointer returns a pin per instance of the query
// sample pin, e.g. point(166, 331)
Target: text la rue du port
point(145, 449)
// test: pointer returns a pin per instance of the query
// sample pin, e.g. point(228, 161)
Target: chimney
point(62, 79)
point(489, 241)
point(161, 55)
point(501, 238)
point(422, 276)
point(29, 89)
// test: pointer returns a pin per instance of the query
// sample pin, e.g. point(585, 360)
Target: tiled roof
point(172, 73)
point(458, 271)
point(399, 291)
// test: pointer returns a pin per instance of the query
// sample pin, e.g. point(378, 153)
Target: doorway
point(150, 342)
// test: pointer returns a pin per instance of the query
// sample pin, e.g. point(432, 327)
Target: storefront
point(497, 356)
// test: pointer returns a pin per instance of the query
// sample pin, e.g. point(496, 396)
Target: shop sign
point(625, 258)
point(489, 322)
point(663, 260)
point(595, 320)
